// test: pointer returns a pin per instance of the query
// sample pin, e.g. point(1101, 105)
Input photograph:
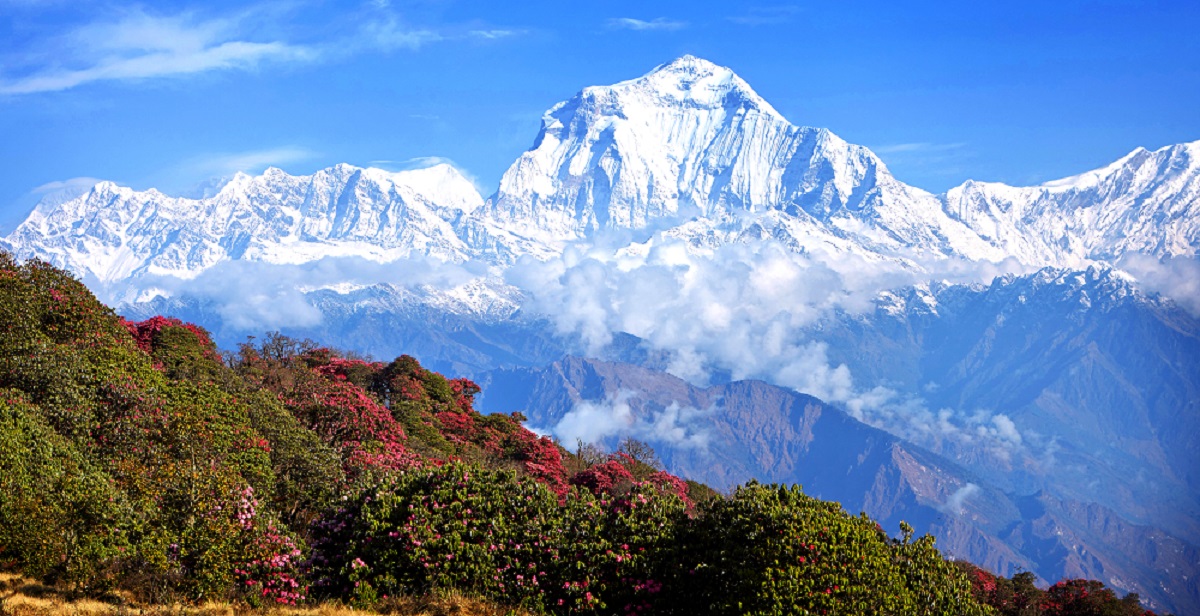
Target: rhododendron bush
point(774, 550)
point(498, 535)
point(136, 455)
point(127, 447)
point(1019, 596)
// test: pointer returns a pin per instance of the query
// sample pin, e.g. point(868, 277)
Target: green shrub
point(308, 473)
point(60, 517)
point(495, 534)
point(454, 527)
point(773, 550)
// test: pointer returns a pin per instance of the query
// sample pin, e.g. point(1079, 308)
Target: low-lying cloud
point(982, 432)
point(1175, 277)
point(954, 504)
point(253, 296)
point(614, 417)
point(753, 311)
point(741, 308)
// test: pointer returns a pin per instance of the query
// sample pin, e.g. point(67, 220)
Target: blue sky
point(171, 94)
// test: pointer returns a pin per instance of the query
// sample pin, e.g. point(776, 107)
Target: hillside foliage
point(137, 456)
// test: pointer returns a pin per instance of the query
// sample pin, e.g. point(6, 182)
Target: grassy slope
point(20, 596)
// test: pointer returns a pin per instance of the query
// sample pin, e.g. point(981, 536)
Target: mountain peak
point(696, 81)
point(691, 138)
point(689, 64)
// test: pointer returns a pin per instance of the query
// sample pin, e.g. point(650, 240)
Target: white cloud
point(142, 46)
point(139, 45)
point(387, 34)
point(741, 308)
point(754, 312)
point(658, 23)
point(941, 159)
point(1175, 277)
point(595, 421)
point(954, 504)
point(255, 296)
point(767, 15)
point(679, 425)
point(494, 34)
point(76, 186)
point(424, 162)
point(1004, 429)
point(948, 431)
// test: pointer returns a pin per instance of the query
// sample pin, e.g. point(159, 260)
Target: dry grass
point(20, 596)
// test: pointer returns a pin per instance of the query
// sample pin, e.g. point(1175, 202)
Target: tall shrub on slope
point(133, 428)
point(499, 535)
point(772, 550)
point(389, 417)
point(61, 519)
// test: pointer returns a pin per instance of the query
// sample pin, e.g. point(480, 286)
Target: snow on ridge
point(1091, 178)
point(687, 150)
point(114, 232)
point(1145, 202)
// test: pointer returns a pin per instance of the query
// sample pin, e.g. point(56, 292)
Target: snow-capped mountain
point(689, 149)
point(112, 232)
point(690, 140)
point(1145, 202)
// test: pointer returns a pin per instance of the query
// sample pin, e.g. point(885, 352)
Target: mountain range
point(1006, 385)
point(688, 147)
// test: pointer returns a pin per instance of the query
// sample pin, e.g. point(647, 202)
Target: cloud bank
point(743, 311)
point(752, 311)
point(253, 296)
point(1175, 277)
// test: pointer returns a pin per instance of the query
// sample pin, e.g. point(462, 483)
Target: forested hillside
point(138, 457)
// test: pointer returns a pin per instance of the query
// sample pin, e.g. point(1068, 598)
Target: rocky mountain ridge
point(755, 430)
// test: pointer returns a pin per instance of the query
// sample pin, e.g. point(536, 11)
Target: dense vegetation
point(136, 456)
